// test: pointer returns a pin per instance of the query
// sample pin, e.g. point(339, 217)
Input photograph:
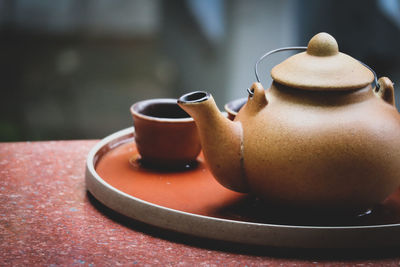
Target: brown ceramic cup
point(233, 107)
point(165, 135)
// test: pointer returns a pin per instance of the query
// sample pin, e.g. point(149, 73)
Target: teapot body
point(337, 150)
point(320, 138)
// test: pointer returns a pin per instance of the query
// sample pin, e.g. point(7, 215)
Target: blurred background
point(70, 69)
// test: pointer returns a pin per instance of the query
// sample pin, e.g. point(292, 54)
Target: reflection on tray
point(248, 209)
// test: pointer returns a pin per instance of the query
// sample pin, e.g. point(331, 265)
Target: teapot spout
point(221, 139)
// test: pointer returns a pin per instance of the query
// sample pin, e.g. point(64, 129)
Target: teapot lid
point(322, 68)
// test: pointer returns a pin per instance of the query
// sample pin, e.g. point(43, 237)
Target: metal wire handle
point(302, 48)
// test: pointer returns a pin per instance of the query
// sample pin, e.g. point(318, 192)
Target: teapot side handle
point(385, 90)
point(257, 99)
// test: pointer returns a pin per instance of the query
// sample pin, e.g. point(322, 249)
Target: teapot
point(322, 137)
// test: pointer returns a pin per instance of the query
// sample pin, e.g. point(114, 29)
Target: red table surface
point(47, 217)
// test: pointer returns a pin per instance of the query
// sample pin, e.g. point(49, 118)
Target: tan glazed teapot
point(321, 137)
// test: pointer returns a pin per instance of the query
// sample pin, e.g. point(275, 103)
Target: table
point(47, 217)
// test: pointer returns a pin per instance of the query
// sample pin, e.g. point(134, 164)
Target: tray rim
point(252, 233)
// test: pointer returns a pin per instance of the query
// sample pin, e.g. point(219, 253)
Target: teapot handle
point(302, 48)
point(385, 90)
point(250, 91)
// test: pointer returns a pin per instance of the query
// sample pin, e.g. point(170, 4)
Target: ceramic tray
point(190, 201)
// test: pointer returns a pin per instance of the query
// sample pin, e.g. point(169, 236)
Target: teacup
point(233, 107)
point(165, 135)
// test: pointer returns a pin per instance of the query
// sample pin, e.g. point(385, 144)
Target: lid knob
point(322, 44)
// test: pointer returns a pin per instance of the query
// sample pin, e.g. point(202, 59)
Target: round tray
point(191, 202)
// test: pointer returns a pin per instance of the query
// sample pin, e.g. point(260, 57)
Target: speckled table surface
point(47, 217)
